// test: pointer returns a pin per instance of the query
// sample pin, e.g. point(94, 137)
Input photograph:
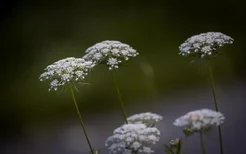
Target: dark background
point(37, 33)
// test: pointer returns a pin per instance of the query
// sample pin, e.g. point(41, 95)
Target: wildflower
point(111, 53)
point(175, 142)
point(66, 70)
point(204, 44)
point(150, 119)
point(200, 120)
point(174, 145)
point(134, 138)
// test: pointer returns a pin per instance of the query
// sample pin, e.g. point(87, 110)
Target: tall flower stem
point(215, 103)
point(179, 147)
point(119, 96)
point(183, 149)
point(202, 143)
point(81, 119)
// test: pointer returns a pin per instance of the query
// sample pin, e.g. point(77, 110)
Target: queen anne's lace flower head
point(150, 119)
point(133, 138)
point(200, 120)
point(204, 44)
point(112, 53)
point(66, 70)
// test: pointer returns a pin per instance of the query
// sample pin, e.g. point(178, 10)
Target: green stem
point(215, 103)
point(178, 150)
point(183, 148)
point(80, 118)
point(213, 87)
point(221, 141)
point(202, 143)
point(119, 96)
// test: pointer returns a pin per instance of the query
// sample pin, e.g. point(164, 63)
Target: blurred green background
point(37, 33)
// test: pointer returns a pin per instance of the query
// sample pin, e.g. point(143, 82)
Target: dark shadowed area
point(37, 33)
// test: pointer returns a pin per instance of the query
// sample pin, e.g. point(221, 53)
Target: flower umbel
point(204, 44)
point(134, 138)
point(200, 120)
point(65, 71)
point(174, 146)
point(175, 142)
point(148, 118)
point(111, 53)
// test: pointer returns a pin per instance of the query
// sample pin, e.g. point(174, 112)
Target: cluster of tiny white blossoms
point(204, 44)
point(110, 52)
point(200, 120)
point(66, 70)
point(134, 138)
point(148, 118)
point(175, 142)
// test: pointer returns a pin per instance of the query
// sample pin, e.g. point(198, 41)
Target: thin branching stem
point(215, 103)
point(184, 143)
point(202, 143)
point(81, 119)
point(119, 96)
point(213, 86)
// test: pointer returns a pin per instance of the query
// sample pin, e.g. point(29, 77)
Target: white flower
point(110, 52)
point(200, 120)
point(146, 150)
point(204, 44)
point(66, 70)
point(133, 137)
point(148, 118)
point(113, 63)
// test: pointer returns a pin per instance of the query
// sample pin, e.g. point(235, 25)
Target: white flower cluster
point(110, 52)
point(66, 70)
point(134, 138)
point(204, 44)
point(148, 118)
point(175, 142)
point(200, 120)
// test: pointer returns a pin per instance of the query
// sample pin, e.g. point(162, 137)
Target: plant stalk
point(215, 103)
point(119, 96)
point(81, 119)
point(202, 143)
point(183, 148)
